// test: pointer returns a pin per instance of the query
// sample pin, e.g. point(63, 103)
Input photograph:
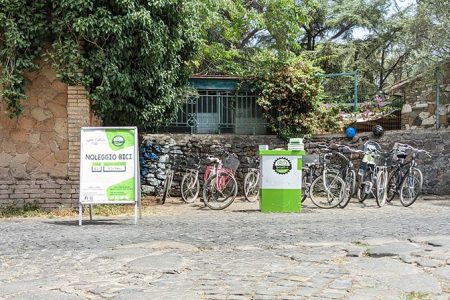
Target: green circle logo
point(118, 140)
point(282, 165)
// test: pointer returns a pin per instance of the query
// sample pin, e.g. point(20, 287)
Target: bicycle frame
point(217, 169)
point(404, 168)
point(223, 181)
point(325, 171)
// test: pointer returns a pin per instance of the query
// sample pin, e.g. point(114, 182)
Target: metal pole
point(135, 212)
point(80, 214)
point(355, 92)
point(90, 212)
point(438, 95)
point(140, 208)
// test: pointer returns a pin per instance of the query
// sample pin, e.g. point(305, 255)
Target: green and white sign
point(109, 170)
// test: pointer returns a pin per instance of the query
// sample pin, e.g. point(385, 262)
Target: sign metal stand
point(109, 168)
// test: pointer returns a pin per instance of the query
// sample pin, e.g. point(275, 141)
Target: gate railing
point(217, 112)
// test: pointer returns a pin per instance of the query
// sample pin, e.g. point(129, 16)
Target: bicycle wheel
point(420, 176)
point(350, 187)
point(327, 191)
point(219, 191)
point(305, 185)
point(251, 186)
point(166, 186)
point(365, 189)
point(381, 188)
point(190, 187)
point(392, 186)
point(410, 188)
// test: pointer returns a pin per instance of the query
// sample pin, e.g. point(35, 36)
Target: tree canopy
point(135, 56)
point(380, 39)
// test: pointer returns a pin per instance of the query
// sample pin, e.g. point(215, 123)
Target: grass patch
point(112, 210)
point(33, 209)
point(417, 296)
point(29, 209)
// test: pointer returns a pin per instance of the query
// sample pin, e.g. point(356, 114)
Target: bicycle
point(328, 189)
point(190, 184)
point(221, 187)
point(310, 171)
point(373, 173)
point(168, 180)
point(348, 173)
point(406, 179)
point(251, 184)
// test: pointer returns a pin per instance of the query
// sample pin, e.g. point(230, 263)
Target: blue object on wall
point(350, 132)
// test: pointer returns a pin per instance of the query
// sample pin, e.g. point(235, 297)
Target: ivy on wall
point(23, 28)
point(131, 55)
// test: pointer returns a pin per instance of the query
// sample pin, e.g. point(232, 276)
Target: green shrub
point(291, 95)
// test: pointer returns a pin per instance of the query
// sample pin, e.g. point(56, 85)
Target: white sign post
point(109, 167)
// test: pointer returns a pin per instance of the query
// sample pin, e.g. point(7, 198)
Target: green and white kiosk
point(281, 178)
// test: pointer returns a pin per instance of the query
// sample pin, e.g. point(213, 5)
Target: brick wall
point(78, 110)
point(49, 192)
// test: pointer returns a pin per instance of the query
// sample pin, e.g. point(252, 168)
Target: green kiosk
point(281, 178)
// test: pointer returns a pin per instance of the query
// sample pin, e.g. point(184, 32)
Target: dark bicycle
point(405, 179)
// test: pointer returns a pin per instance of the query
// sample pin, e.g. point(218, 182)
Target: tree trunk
point(309, 45)
point(381, 82)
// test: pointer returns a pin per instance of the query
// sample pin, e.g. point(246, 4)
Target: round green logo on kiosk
point(282, 165)
point(118, 140)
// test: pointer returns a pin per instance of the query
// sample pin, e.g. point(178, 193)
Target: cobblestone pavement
point(189, 252)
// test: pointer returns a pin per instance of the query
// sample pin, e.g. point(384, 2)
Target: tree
point(132, 56)
point(238, 32)
point(334, 20)
point(428, 32)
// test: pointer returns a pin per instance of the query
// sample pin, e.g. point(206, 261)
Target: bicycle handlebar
point(349, 149)
point(416, 150)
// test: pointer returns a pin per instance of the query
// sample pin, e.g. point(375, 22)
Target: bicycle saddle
point(401, 151)
point(310, 160)
point(213, 160)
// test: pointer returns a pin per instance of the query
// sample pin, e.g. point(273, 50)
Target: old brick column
point(78, 115)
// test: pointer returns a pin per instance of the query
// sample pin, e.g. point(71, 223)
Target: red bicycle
point(221, 187)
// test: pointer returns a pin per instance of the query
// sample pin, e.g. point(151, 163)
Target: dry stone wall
point(419, 110)
point(436, 169)
point(182, 150)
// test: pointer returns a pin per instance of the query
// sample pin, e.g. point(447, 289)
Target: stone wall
point(178, 147)
point(436, 170)
point(35, 145)
point(419, 94)
point(39, 149)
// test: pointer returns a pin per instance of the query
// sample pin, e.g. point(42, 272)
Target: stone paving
point(189, 252)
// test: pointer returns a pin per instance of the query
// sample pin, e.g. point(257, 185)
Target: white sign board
point(109, 165)
point(280, 172)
